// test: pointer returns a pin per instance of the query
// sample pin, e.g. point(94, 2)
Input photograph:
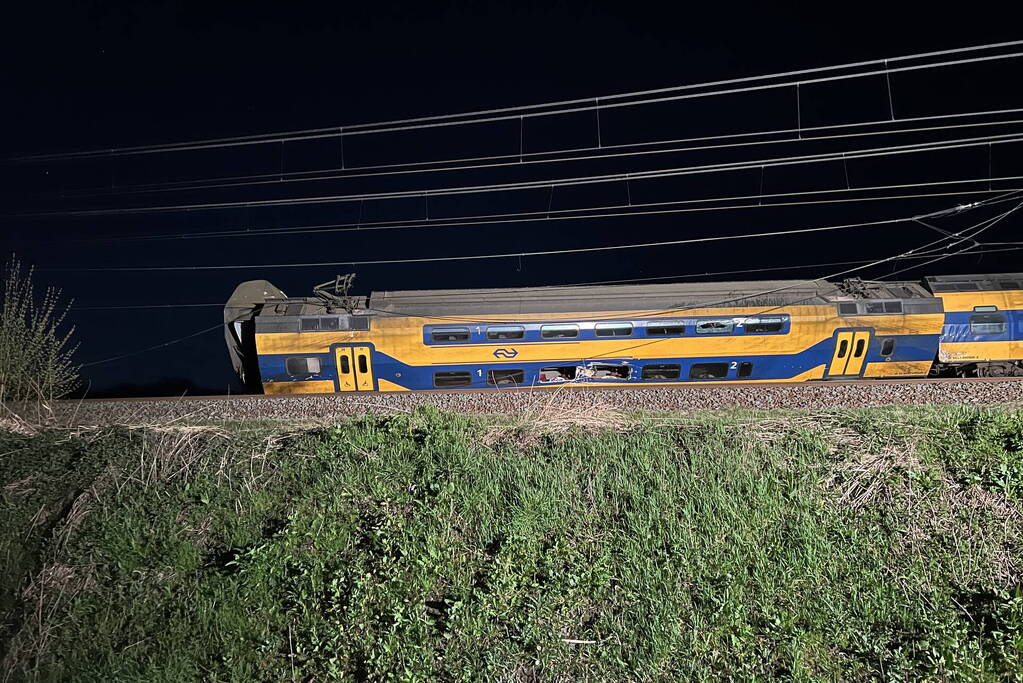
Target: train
point(624, 335)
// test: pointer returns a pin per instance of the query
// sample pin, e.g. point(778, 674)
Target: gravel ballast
point(814, 395)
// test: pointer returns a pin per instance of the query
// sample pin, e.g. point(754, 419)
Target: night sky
point(96, 75)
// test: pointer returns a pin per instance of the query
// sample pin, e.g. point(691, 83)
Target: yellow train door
point(363, 368)
point(850, 353)
point(345, 368)
point(354, 368)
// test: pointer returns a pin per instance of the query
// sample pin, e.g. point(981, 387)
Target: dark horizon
point(95, 76)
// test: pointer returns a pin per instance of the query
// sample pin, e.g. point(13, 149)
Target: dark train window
point(887, 346)
point(559, 373)
point(362, 364)
point(328, 323)
point(745, 369)
point(847, 309)
point(875, 307)
point(665, 371)
point(450, 334)
point(559, 331)
point(302, 366)
point(452, 379)
point(987, 323)
point(860, 343)
point(613, 329)
point(843, 346)
point(893, 307)
point(708, 371)
point(611, 372)
point(664, 329)
point(1008, 284)
point(764, 324)
point(310, 324)
point(506, 332)
point(504, 377)
point(714, 327)
point(346, 367)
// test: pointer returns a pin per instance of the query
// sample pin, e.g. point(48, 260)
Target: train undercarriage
point(1004, 368)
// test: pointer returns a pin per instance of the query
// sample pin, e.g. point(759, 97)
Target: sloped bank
point(842, 544)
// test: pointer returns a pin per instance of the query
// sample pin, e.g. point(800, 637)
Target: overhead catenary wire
point(561, 107)
point(598, 212)
point(769, 162)
point(516, 254)
point(534, 158)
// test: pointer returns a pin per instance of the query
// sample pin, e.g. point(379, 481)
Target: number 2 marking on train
point(734, 365)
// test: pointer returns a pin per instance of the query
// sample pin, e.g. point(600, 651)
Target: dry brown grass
point(559, 411)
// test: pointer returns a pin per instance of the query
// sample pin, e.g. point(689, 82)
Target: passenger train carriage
point(624, 335)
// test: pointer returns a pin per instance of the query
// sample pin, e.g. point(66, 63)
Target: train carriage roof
point(941, 284)
point(584, 298)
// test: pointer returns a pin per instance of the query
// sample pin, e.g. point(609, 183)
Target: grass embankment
point(872, 543)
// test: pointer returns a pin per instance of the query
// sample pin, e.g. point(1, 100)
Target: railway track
point(766, 396)
point(555, 387)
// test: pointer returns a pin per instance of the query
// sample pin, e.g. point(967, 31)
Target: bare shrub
point(36, 348)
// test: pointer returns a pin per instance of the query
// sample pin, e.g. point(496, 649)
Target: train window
point(1009, 284)
point(310, 324)
point(764, 324)
point(450, 334)
point(664, 329)
point(888, 346)
point(667, 371)
point(346, 367)
point(452, 379)
point(559, 331)
point(847, 309)
point(745, 369)
point(893, 307)
point(362, 363)
point(875, 307)
point(506, 332)
point(843, 346)
point(613, 329)
point(860, 344)
point(611, 372)
point(708, 371)
point(302, 366)
point(987, 323)
point(504, 377)
point(328, 323)
point(560, 373)
point(714, 327)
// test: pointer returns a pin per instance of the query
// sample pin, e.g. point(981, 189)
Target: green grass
point(876, 543)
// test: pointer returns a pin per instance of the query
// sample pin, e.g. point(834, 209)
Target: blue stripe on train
point(919, 347)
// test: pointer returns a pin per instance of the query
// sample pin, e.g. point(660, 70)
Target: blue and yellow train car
point(621, 335)
point(983, 331)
